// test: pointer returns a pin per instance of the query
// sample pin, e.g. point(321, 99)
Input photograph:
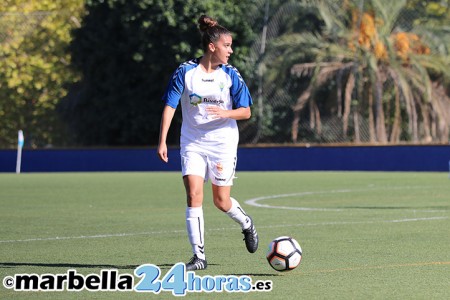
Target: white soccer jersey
point(196, 90)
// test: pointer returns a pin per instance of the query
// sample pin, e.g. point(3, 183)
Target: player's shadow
point(165, 266)
point(65, 265)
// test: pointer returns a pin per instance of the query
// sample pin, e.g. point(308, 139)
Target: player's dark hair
point(210, 30)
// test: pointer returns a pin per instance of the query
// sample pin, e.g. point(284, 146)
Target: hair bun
point(205, 22)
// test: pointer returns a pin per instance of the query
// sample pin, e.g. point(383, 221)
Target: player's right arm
point(166, 120)
point(171, 97)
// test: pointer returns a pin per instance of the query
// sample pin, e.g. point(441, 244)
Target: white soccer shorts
point(219, 170)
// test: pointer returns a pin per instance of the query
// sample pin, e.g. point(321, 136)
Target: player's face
point(222, 49)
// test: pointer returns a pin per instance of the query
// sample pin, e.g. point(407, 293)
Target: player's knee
point(194, 199)
point(222, 203)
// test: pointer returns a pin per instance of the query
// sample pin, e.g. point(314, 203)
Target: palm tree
point(380, 71)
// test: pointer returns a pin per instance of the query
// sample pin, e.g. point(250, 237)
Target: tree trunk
point(372, 135)
point(380, 125)
point(301, 101)
point(396, 130)
point(349, 87)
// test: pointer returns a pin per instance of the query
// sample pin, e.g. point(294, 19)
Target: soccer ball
point(284, 254)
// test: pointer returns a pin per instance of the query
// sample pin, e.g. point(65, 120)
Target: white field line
point(255, 201)
point(149, 233)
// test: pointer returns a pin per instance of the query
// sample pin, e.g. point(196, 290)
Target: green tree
point(34, 68)
point(126, 51)
point(373, 66)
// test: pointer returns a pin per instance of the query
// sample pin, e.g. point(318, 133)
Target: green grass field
point(364, 235)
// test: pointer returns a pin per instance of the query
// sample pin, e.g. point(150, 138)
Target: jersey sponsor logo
point(214, 101)
point(196, 99)
point(208, 80)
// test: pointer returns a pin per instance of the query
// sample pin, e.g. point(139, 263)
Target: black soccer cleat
point(251, 238)
point(196, 264)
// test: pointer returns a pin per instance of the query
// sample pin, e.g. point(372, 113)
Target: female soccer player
point(213, 96)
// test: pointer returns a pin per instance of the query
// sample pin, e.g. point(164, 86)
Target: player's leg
point(193, 170)
point(221, 172)
point(229, 205)
point(194, 221)
point(193, 185)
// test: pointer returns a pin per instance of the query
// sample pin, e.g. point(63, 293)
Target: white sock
point(238, 214)
point(196, 228)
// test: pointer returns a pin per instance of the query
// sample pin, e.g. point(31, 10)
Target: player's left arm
point(240, 95)
point(241, 113)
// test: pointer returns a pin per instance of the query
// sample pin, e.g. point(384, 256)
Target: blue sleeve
point(239, 91)
point(175, 88)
